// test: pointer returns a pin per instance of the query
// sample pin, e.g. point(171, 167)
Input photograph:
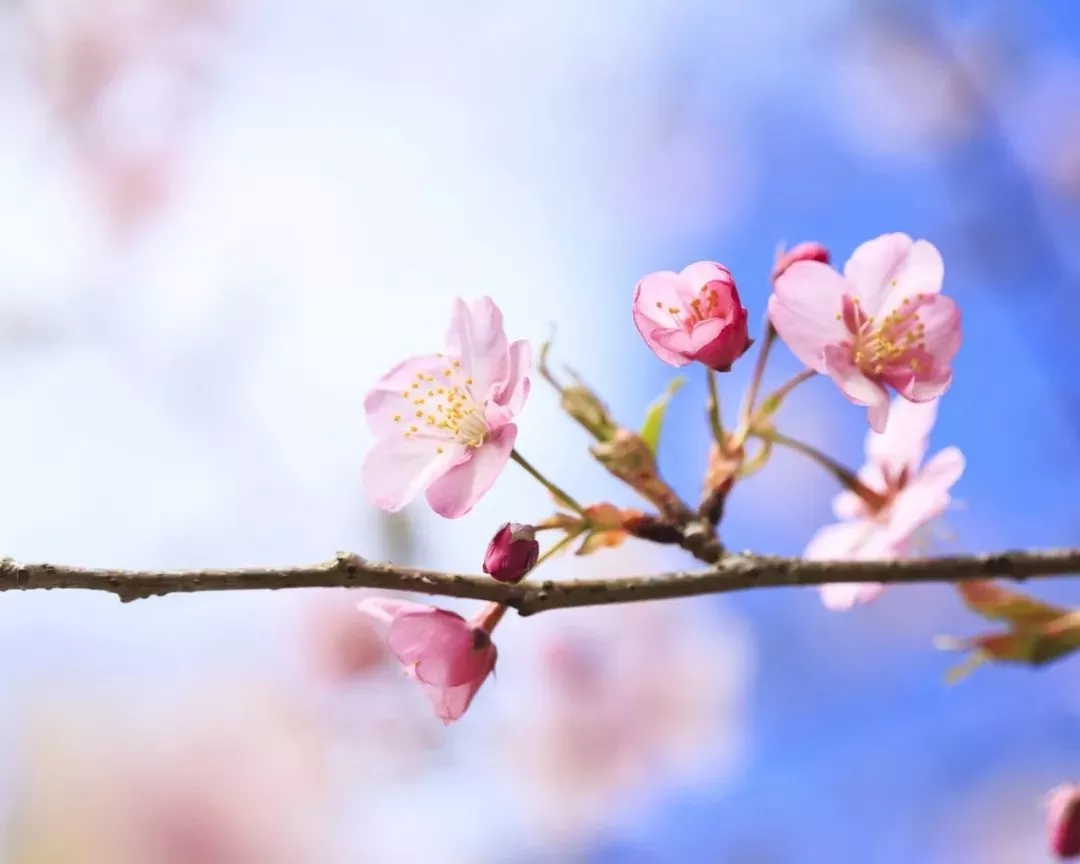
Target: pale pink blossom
point(445, 421)
point(905, 496)
point(808, 251)
point(449, 656)
point(692, 315)
point(882, 324)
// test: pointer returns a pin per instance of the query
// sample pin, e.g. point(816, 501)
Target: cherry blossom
point(690, 316)
point(445, 421)
point(882, 324)
point(449, 656)
point(904, 496)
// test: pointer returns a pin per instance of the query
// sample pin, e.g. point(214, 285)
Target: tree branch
point(733, 573)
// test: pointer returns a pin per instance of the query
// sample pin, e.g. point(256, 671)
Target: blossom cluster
point(446, 427)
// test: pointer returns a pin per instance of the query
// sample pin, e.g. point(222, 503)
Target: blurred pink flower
point(808, 251)
point(342, 646)
point(231, 778)
point(449, 656)
point(692, 315)
point(884, 323)
point(1063, 817)
point(121, 79)
point(623, 710)
point(911, 496)
point(512, 552)
point(444, 421)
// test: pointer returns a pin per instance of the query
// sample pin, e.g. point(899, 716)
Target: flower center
point(898, 339)
point(708, 304)
point(444, 408)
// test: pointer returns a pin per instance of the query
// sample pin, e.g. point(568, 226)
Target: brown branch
point(733, 573)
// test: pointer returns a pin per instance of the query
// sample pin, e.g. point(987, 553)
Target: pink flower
point(905, 496)
point(802, 252)
point(449, 656)
point(444, 421)
point(1063, 817)
point(512, 552)
point(692, 315)
point(884, 323)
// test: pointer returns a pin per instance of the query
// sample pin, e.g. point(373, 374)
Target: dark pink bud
point(1063, 811)
point(801, 252)
point(512, 552)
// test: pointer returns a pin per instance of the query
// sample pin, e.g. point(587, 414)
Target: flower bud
point(1063, 811)
point(585, 407)
point(801, 252)
point(512, 552)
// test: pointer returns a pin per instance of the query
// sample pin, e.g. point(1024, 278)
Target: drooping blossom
point(512, 552)
point(692, 315)
point(1063, 821)
point(902, 496)
point(449, 656)
point(882, 324)
point(445, 421)
point(808, 251)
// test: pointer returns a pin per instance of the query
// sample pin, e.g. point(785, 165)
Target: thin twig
point(733, 573)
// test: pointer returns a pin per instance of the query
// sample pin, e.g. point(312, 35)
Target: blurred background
point(222, 219)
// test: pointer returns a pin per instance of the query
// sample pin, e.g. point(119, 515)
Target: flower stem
point(781, 392)
point(714, 410)
point(747, 410)
point(489, 616)
point(559, 494)
point(846, 476)
point(558, 547)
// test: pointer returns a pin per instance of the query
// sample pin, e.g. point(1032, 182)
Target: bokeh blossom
point(905, 496)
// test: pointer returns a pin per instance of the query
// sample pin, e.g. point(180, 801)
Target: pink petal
point(942, 319)
point(848, 541)
point(848, 505)
point(513, 392)
point(477, 338)
point(451, 703)
point(904, 441)
point(456, 492)
point(696, 276)
point(927, 496)
point(803, 309)
point(385, 401)
point(873, 265)
point(670, 291)
point(385, 609)
point(841, 597)
point(923, 273)
point(943, 470)
point(397, 469)
point(685, 344)
point(857, 387)
point(438, 644)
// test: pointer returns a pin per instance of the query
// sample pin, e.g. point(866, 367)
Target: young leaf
point(654, 416)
